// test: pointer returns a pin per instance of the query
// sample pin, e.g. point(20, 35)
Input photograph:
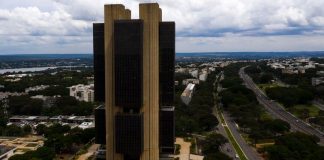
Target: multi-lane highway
point(278, 111)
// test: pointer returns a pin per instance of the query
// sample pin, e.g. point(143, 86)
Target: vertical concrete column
point(150, 13)
point(160, 14)
point(128, 14)
point(112, 12)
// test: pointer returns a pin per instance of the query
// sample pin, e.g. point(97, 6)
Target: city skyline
point(65, 26)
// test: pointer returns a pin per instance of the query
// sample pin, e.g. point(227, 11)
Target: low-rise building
point(301, 70)
point(194, 73)
point(310, 65)
point(4, 95)
point(48, 101)
point(28, 119)
point(17, 75)
point(289, 71)
point(36, 88)
point(203, 77)
point(13, 146)
point(181, 70)
point(33, 121)
point(317, 81)
point(86, 125)
point(6, 152)
point(82, 92)
point(320, 73)
point(187, 93)
point(192, 80)
point(212, 69)
point(320, 65)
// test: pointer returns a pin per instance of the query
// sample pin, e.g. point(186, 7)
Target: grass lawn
point(222, 118)
point(297, 110)
point(265, 116)
point(263, 87)
point(262, 145)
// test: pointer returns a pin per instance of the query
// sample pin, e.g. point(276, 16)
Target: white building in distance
point(191, 80)
point(317, 81)
point(194, 73)
point(82, 92)
point(203, 77)
point(36, 88)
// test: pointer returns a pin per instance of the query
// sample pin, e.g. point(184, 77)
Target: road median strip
point(233, 141)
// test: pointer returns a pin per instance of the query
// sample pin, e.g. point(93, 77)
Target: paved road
point(184, 150)
point(227, 148)
point(319, 105)
point(91, 151)
point(248, 150)
point(278, 111)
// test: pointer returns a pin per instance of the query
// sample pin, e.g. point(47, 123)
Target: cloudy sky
point(65, 26)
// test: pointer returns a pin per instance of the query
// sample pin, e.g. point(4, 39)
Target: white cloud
point(205, 24)
point(32, 21)
point(251, 43)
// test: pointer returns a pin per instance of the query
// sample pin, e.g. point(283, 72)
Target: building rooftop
point(86, 125)
point(167, 108)
point(187, 92)
point(20, 145)
point(4, 149)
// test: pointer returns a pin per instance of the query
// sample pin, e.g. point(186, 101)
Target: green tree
point(42, 153)
point(57, 129)
point(295, 146)
point(13, 131)
point(290, 96)
point(277, 126)
point(24, 105)
point(217, 156)
point(266, 78)
point(3, 117)
point(27, 129)
point(212, 143)
point(40, 129)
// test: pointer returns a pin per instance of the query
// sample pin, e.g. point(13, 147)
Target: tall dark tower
point(134, 77)
point(99, 61)
point(167, 64)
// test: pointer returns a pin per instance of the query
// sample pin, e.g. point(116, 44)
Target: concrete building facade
point(135, 95)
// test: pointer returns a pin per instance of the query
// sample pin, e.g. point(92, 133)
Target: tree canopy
point(290, 96)
point(197, 117)
point(296, 146)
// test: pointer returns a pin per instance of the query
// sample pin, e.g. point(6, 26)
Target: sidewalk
point(92, 149)
point(185, 151)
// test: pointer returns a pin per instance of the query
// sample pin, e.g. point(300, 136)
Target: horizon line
point(18, 54)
